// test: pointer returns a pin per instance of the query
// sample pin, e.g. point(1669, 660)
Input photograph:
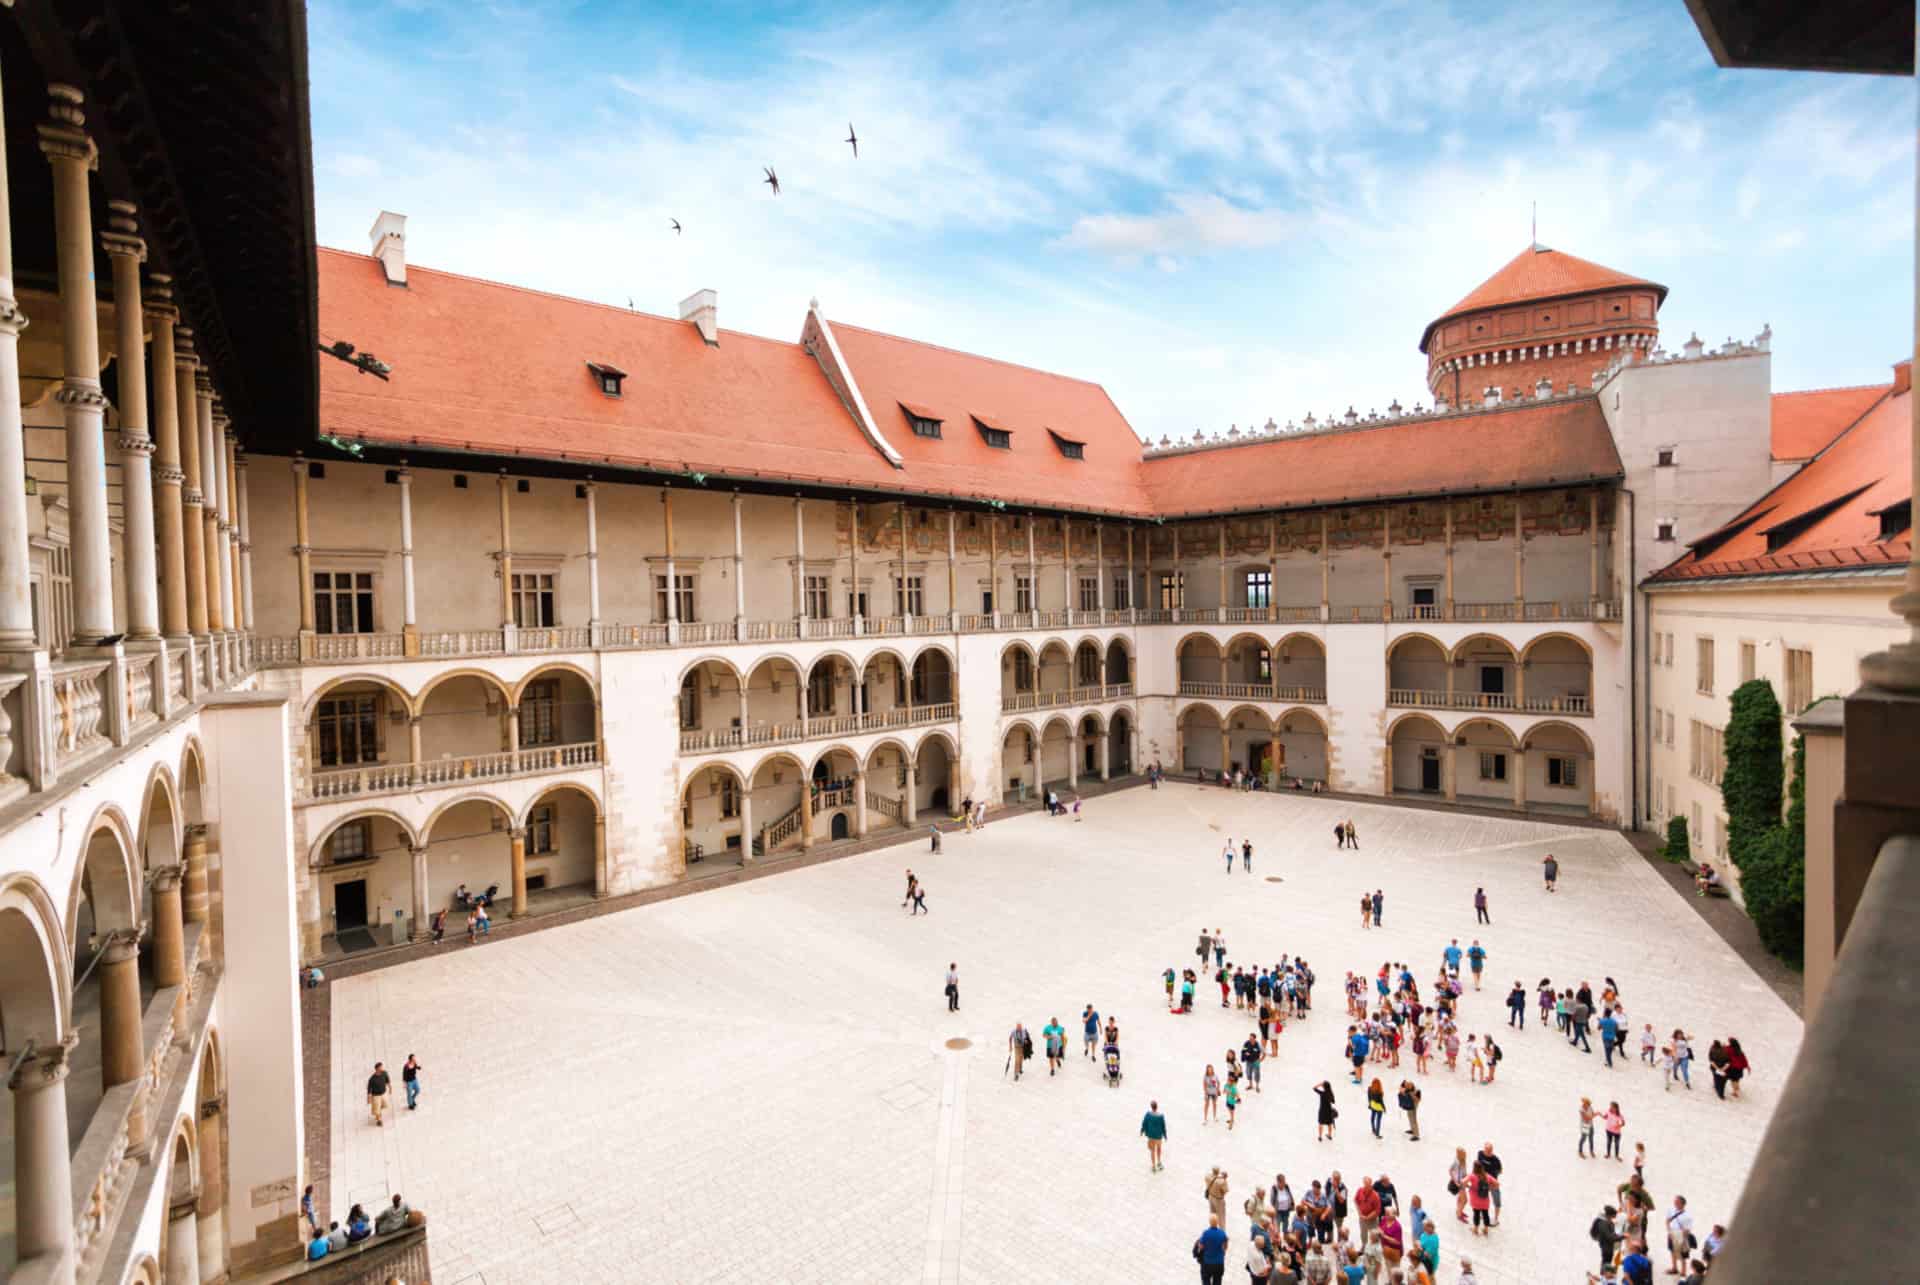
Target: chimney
point(702, 309)
point(389, 237)
point(1902, 376)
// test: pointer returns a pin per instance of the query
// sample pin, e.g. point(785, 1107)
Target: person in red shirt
point(1366, 1207)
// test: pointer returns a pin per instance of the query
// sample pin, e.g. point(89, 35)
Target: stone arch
point(1197, 728)
point(890, 742)
point(545, 670)
point(840, 747)
point(1123, 672)
point(1011, 657)
point(168, 818)
point(1256, 717)
point(835, 653)
point(1085, 674)
point(941, 648)
point(1302, 735)
point(109, 873)
point(35, 967)
point(478, 796)
point(1459, 651)
point(486, 678)
point(144, 1272)
point(710, 659)
point(1409, 722)
point(1446, 652)
point(1247, 636)
point(1526, 652)
point(1120, 741)
point(1419, 753)
point(405, 698)
point(319, 845)
point(1503, 734)
point(564, 787)
point(191, 781)
point(768, 759)
point(1416, 663)
point(564, 846)
point(934, 676)
point(890, 653)
point(935, 734)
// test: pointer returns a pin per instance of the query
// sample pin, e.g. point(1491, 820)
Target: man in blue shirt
point(1357, 1046)
point(1452, 956)
point(1609, 1033)
point(1477, 960)
point(1212, 1249)
point(1090, 1029)
point(1153, 1127)
point(1636, 1267)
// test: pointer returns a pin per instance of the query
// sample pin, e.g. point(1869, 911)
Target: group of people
point(397, 1216)
point(1054, 1040)
point(380, 1088)
point(1304, 1238)
point(1399, 1018)
point(1622, 1233)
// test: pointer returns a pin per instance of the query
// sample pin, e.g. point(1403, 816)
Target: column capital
point(121, 236)
point(300, 465)
point(157, 299)
point(12, 320)
point(135, 444)
point(65, 138)
point(82, 392)
point(239, 457)
point(202, 384)
point(184, 357)
point(122, 946)
point(44, 1065)
point(188, 495)
point(169, 476)
point(166, 878)
point(418, 850)
point(184, 1207)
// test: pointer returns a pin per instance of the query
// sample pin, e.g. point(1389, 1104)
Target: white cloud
point(1193, 225)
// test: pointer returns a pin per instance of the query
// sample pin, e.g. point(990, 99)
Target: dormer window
point(1068, 447)
point(608, 377)
point(923, 421)
point(1895, 519)
point(994, 434)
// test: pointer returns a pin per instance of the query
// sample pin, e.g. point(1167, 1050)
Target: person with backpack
point(1410, 1103)
point(1019, 1048)
point(1604, 1233)
point(1210, 1251)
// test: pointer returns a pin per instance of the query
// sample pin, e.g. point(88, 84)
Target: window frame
point(541, 700)
point(540, 828)
point(365, 721)
point(686, 591)
point(363, 599)
point(1256, 587)
point(538, 591)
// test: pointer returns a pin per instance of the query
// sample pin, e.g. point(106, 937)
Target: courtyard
point(756, 1082)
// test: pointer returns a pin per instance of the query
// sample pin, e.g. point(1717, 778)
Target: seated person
point(358, 1228)
point(393, 1218)
point(319, 1246)
point(461, 896)
point(1706, 879)
point(336, 1237)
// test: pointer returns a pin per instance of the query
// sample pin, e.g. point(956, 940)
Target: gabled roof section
point(922, 412)
point(1826, 516)
point(1538, 273)
point(1563, 442)
point(1804, 422)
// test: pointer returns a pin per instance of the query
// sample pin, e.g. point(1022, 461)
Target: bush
point(1750, 791)
point(1676, 848)
point(1774, 878)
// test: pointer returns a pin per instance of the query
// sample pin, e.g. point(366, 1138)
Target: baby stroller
point(1111, 1054)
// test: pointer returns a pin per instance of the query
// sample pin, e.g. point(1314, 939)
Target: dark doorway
point(350, 905)
point(1430, 770)
point(840, 827)
point(1090, 755)
point(820, 771)
point(939, 799)
point(1493, 680)
point(986, 602)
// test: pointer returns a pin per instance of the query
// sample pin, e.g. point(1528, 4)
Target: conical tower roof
point(1538, 273)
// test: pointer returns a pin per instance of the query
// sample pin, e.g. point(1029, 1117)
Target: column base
point(410, 639)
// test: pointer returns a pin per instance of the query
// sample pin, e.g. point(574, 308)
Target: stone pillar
point(422, 894)
point(806, 812)
point(1593, 552)
point(193, 521)
point(1100, 571)
point(600, 856)
point(1519, 561)
point(953, 574)
point(212, 1208)
point(1066, 564)
point(16, 601)
point(122, 1059)
point(906, 605)
point(673, 582)
point(1033, 569)
point(1449, 541)
point(519, 855)
point(229, 519)
point(409, 614)
point(800, 567)
point(1326, 572)
point(746, 824)
point(243, 530)
point(126, 250)
point(1386, 564)
point(909, 805)
point(1222, 614)
point(183, 1238)
point(211, 473)
point(593, 564)
point(505, 485)
point(1519, 777)
point(953, 785)
point(1273, 570)
point(42, 1170)
point(169, 932)
point(1106, 753)
point(993, 568)
point(739, 578)
point(193, 898)
point(860, 803)
point(1073, 759)
point(1133, 605)
point(1226, 749)
point(854, 562)
point(83, 406)
point(302, 551)
point(414, 757)
point(1447, 757)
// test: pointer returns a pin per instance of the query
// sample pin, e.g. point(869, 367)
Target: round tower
point(1545, 320)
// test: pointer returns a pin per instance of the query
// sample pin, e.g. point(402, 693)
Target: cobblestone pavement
point(754, 1083)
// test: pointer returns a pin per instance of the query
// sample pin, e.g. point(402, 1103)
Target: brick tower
point(1545, 316)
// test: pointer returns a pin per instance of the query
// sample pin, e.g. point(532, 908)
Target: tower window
point(1663, 531)
point(1663, 458)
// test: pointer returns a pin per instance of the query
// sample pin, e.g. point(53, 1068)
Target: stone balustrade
point(721, 739)
point(370, 779)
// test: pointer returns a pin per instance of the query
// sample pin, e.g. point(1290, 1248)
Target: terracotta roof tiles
point(1538, 273)
point(1806, 421)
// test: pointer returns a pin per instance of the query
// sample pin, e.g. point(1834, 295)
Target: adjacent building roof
point(1806, 421)
point(1827, 516)
point(1538, 273)
point(1530, 444)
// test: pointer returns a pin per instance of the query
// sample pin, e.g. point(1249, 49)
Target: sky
point(1221, 214)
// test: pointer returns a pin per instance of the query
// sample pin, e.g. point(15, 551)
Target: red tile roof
point(1806, 421)
point(1538, 273)
point(1822, 518)
point(1560, 442)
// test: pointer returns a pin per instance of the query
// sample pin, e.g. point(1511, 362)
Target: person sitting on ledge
point(336, 1237)
point(1706, 880)
point(393, 1218)
point(319, 1246)
point(358, 1228)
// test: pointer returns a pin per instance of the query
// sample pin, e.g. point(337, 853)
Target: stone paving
point(754, 1083)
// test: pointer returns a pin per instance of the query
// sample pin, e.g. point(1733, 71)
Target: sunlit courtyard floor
point(754, 1083)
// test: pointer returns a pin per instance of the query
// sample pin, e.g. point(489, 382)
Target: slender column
point(211, 473)
point(506, 552)
point(806, 813)
point(1519, 561)
point(513, 735)
point(739, 575)
point(229, 519)
point(906, 604)
point(1073, 759)
point(1593, 551)
point(860, 803)
point(746, 825)
point(1133, 604)
point(1033, 568)
point(1519, 777)
point(302, 549)
point(1223, 570)
point(1100, 571)
point(42, 1171)
point(593, 562)
point(1326, 571)
point(1106, 754)
point(953, 574)
point(192, 499)
point(242, 531)
point(1066, 563)
point(993, 567)
point(169, 940)
point(800, 567)
point(212, 1220)
point(745, 722)
point(183, 1238)
point(519, 855)
point(422, 922)
point(600, 889)
point(1273, 571)
point(409, 618)
point(126, 251)
point(121, 1058)
point(953, 784)
point(908, 807)
point(800, 699)
point(414, 757)
point(854, 561)
point(1449, 560)
point(16, 600)
point(1386, 563)
point(193, 895)
point(1447, 756)
point(673, 583)
point(72, 155)
point(1226, 750)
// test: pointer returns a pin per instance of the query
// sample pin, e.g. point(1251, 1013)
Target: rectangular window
point(683, 597)
point(1424, 595)
point(857, 604)
point(924, 427)
point(540, 831)
point(1720, 838)
point(729, 797)
point(1265, 665)
point(1022, 671)
point(1703, 666)
point(1122, 594)
point(911, 602)
point(1695, 835)
point(540, 713)
point(815, 602)
point(1663, 458)
point(343, 602)
point(690, 702)
point(820, 690)
point(347, 730)
point(1563, 772)
point(1493, 766)
point(1663, 531)
point(533, 600)
point(1748, 662)
point(998, 438)
point(1023, 593)
point(1799, 680)
point(1089, 593)
point(1173, 590)
point(351, 842)
point(1259, 590)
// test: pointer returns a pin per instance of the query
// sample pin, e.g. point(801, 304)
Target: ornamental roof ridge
point(1350, 422)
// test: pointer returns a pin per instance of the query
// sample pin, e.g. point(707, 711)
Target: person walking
point(1737, 1065)
point(1353, 836)
point(1090, 1023)
point(1210, 1251)
point(1587, 1117)
point(1517, 1005)
point(1480, 906)
point(953, 988)
point(1457, 1174)
point(1328, 1113)
point(1246, 856)
point(1233, 1097)
point(1609, 1034)
point(1379, 902)
point(1476, 961)
point(1410, 1103)
point(1480, 1189)
point(1683, 1057)
point(377, 1087)
point(912, 883)
point(1605, 1234)
point(1376, 1105)
point(1209, 1095)
point(1339, 834)
point(1229, 855)
point(1551, 868)
point(1205, 948)
point(1219, 948)
point(1717, 1067)
point(1679, 1236)
point(1366, 911)
point(919, 900)
point(1495, 1168)
point(1055, 1037)
point(1217, 1194)
point(410, 1078)
point(1613, 1122)
point(1153, 1127)
point(1019, 1046)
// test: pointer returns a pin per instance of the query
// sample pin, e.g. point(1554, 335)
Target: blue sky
point(1221, 214)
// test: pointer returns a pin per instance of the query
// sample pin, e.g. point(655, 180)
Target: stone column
point(673, 581)
point(1519, 777)
point(415, 759)
point(193, 899)
point(1100, 571)
point(169, 933)
point(860, 803)
point(1386, 564)
point(422, 894)
point(806, 812)
point(183, 1237)
point(1066, 564)
point(1449, 539)
point(211, 473)
point(126, 251)
point(739, 577)
point(746, 824)
point(1593, 553)
point(853, 558)
point(1033, 569)
point(1226, 749)
point(1519, 561)
point(593, 565)
point(1447, 757)
point(302, 552)
point(519, 855)
point(194, 527)
point(1222, 614)
point(212, 1208)
point(953, 574)
point(83, 406)
point(42, 1170)
point(953, 785)
point(230, 519)
point(1133, 604)
point(993, 568)
point(1326, 571)
point(243, 530)
point(906, 605)
point(908, 805)
point(800, 567)
point(1073, 759)
point(600, 857)
point(506, 553)
point(409, 614)
point(16, 601)
point(122, 1059)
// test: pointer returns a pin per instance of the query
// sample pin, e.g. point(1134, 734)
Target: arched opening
point(466, 729)
point(1487, 765)
point(776, 700)
point(1300, 669)
point(1119, 663)
point(1086, 666)
point(364, 868)
point(933, 677)
point(835, 794)
point(1484, 669)
point(1019, 762)
point(711, 808)
point(211, 1210)
point(1056, 669)
point(358, 739)
point(1056, 752)
point(159, 836)
point(1302, 753)
point(556, 707)
point(470, 846)
point(181, 1238)
point(562, 846)
point(1120, 743)
point(1019, 674)
point(839, 827)
point(1416, 671)
point(774, 798)
point(1249, 662)
point(1250, 743)
point(1418, 758)
point(1201, 660)
point(1090, 747)
point(1558, 761)
point(1201, 749)
point(32, 1014)
point(936, 776)
point(884, 687)
point(833, 693)
point(1556, 676)
point(887, 786)
point(712, 705)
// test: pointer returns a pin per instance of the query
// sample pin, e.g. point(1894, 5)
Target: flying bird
point(772, 180)
point(853, 141)
point(676, 226)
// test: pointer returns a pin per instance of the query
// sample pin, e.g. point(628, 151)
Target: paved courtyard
point(753, 1083)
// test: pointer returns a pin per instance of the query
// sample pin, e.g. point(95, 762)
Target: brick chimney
point(389, 236)
point(702, 308)
point(1902, 376)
